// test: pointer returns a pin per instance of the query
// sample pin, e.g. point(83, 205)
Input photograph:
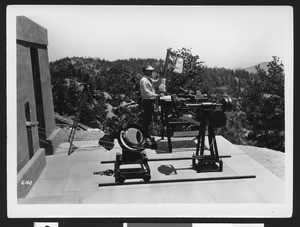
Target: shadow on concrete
point(167, 169)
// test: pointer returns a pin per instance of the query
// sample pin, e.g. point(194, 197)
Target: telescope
point(204, 114)
point(197, 105)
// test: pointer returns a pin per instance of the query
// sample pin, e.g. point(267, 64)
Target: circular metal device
point(132, 138)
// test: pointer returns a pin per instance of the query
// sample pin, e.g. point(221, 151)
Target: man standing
point(148, 95)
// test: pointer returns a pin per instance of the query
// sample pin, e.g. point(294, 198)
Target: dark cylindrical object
point(217, 118)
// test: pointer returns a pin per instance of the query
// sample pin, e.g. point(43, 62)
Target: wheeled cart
point(123, 172)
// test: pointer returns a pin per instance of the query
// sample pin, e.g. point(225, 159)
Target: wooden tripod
point(84, 94)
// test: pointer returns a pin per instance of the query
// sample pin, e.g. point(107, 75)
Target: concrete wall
point(25, 94)
point(30, 31)
point(36, 132)
point(52, 134)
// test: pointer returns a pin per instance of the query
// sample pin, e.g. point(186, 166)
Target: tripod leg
point(201, 135)
point(93, 102)
point(74, 126)
point(214, 141)
point(211, 140)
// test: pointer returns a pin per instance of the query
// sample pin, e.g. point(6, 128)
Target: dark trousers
point(148, 109)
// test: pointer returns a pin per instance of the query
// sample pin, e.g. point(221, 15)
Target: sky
point(222, 36)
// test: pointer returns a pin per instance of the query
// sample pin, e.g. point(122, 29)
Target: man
point(148, 95)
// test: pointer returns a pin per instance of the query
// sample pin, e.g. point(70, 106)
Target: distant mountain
point(252, 69)
point(262, 65)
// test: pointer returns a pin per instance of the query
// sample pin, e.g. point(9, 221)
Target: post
point(166, 62)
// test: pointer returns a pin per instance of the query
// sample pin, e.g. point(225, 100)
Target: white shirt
point(147, 88)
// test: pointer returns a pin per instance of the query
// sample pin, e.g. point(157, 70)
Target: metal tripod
point(85, 93)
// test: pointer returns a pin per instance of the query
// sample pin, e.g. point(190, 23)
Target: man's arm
point(156, 83)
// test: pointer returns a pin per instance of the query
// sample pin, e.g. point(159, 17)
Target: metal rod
point(180, 180)
point(170, 159)
point(166, 62)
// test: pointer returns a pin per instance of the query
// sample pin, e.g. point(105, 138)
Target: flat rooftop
point(75, 179)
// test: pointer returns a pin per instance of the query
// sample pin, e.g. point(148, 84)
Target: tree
point(66, 78)
point(264, 106)
point(192, 77)
point(235, 129)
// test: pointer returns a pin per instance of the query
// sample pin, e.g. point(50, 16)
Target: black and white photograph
point(149, 111)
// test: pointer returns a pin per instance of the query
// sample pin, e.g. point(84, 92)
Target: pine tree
point(264, 106)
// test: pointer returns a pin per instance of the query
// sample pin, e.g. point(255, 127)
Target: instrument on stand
point(84, 95)
point(208, 116)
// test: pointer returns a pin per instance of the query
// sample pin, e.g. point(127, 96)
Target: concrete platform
point(71, 179)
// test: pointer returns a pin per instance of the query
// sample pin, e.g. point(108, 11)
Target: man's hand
point(160, 95)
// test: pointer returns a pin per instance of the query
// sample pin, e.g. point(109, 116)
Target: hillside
point(272, 160)
point(262, 65)
point(252, 69)
point(256, 119)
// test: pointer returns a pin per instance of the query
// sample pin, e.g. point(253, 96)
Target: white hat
point(150, 68)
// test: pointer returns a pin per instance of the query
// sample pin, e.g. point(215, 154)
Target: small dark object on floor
point(108, 172)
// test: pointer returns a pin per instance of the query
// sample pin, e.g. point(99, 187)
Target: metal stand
point(165, 112)
point(85, 93)
point(208, 119)
point(212, 162)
